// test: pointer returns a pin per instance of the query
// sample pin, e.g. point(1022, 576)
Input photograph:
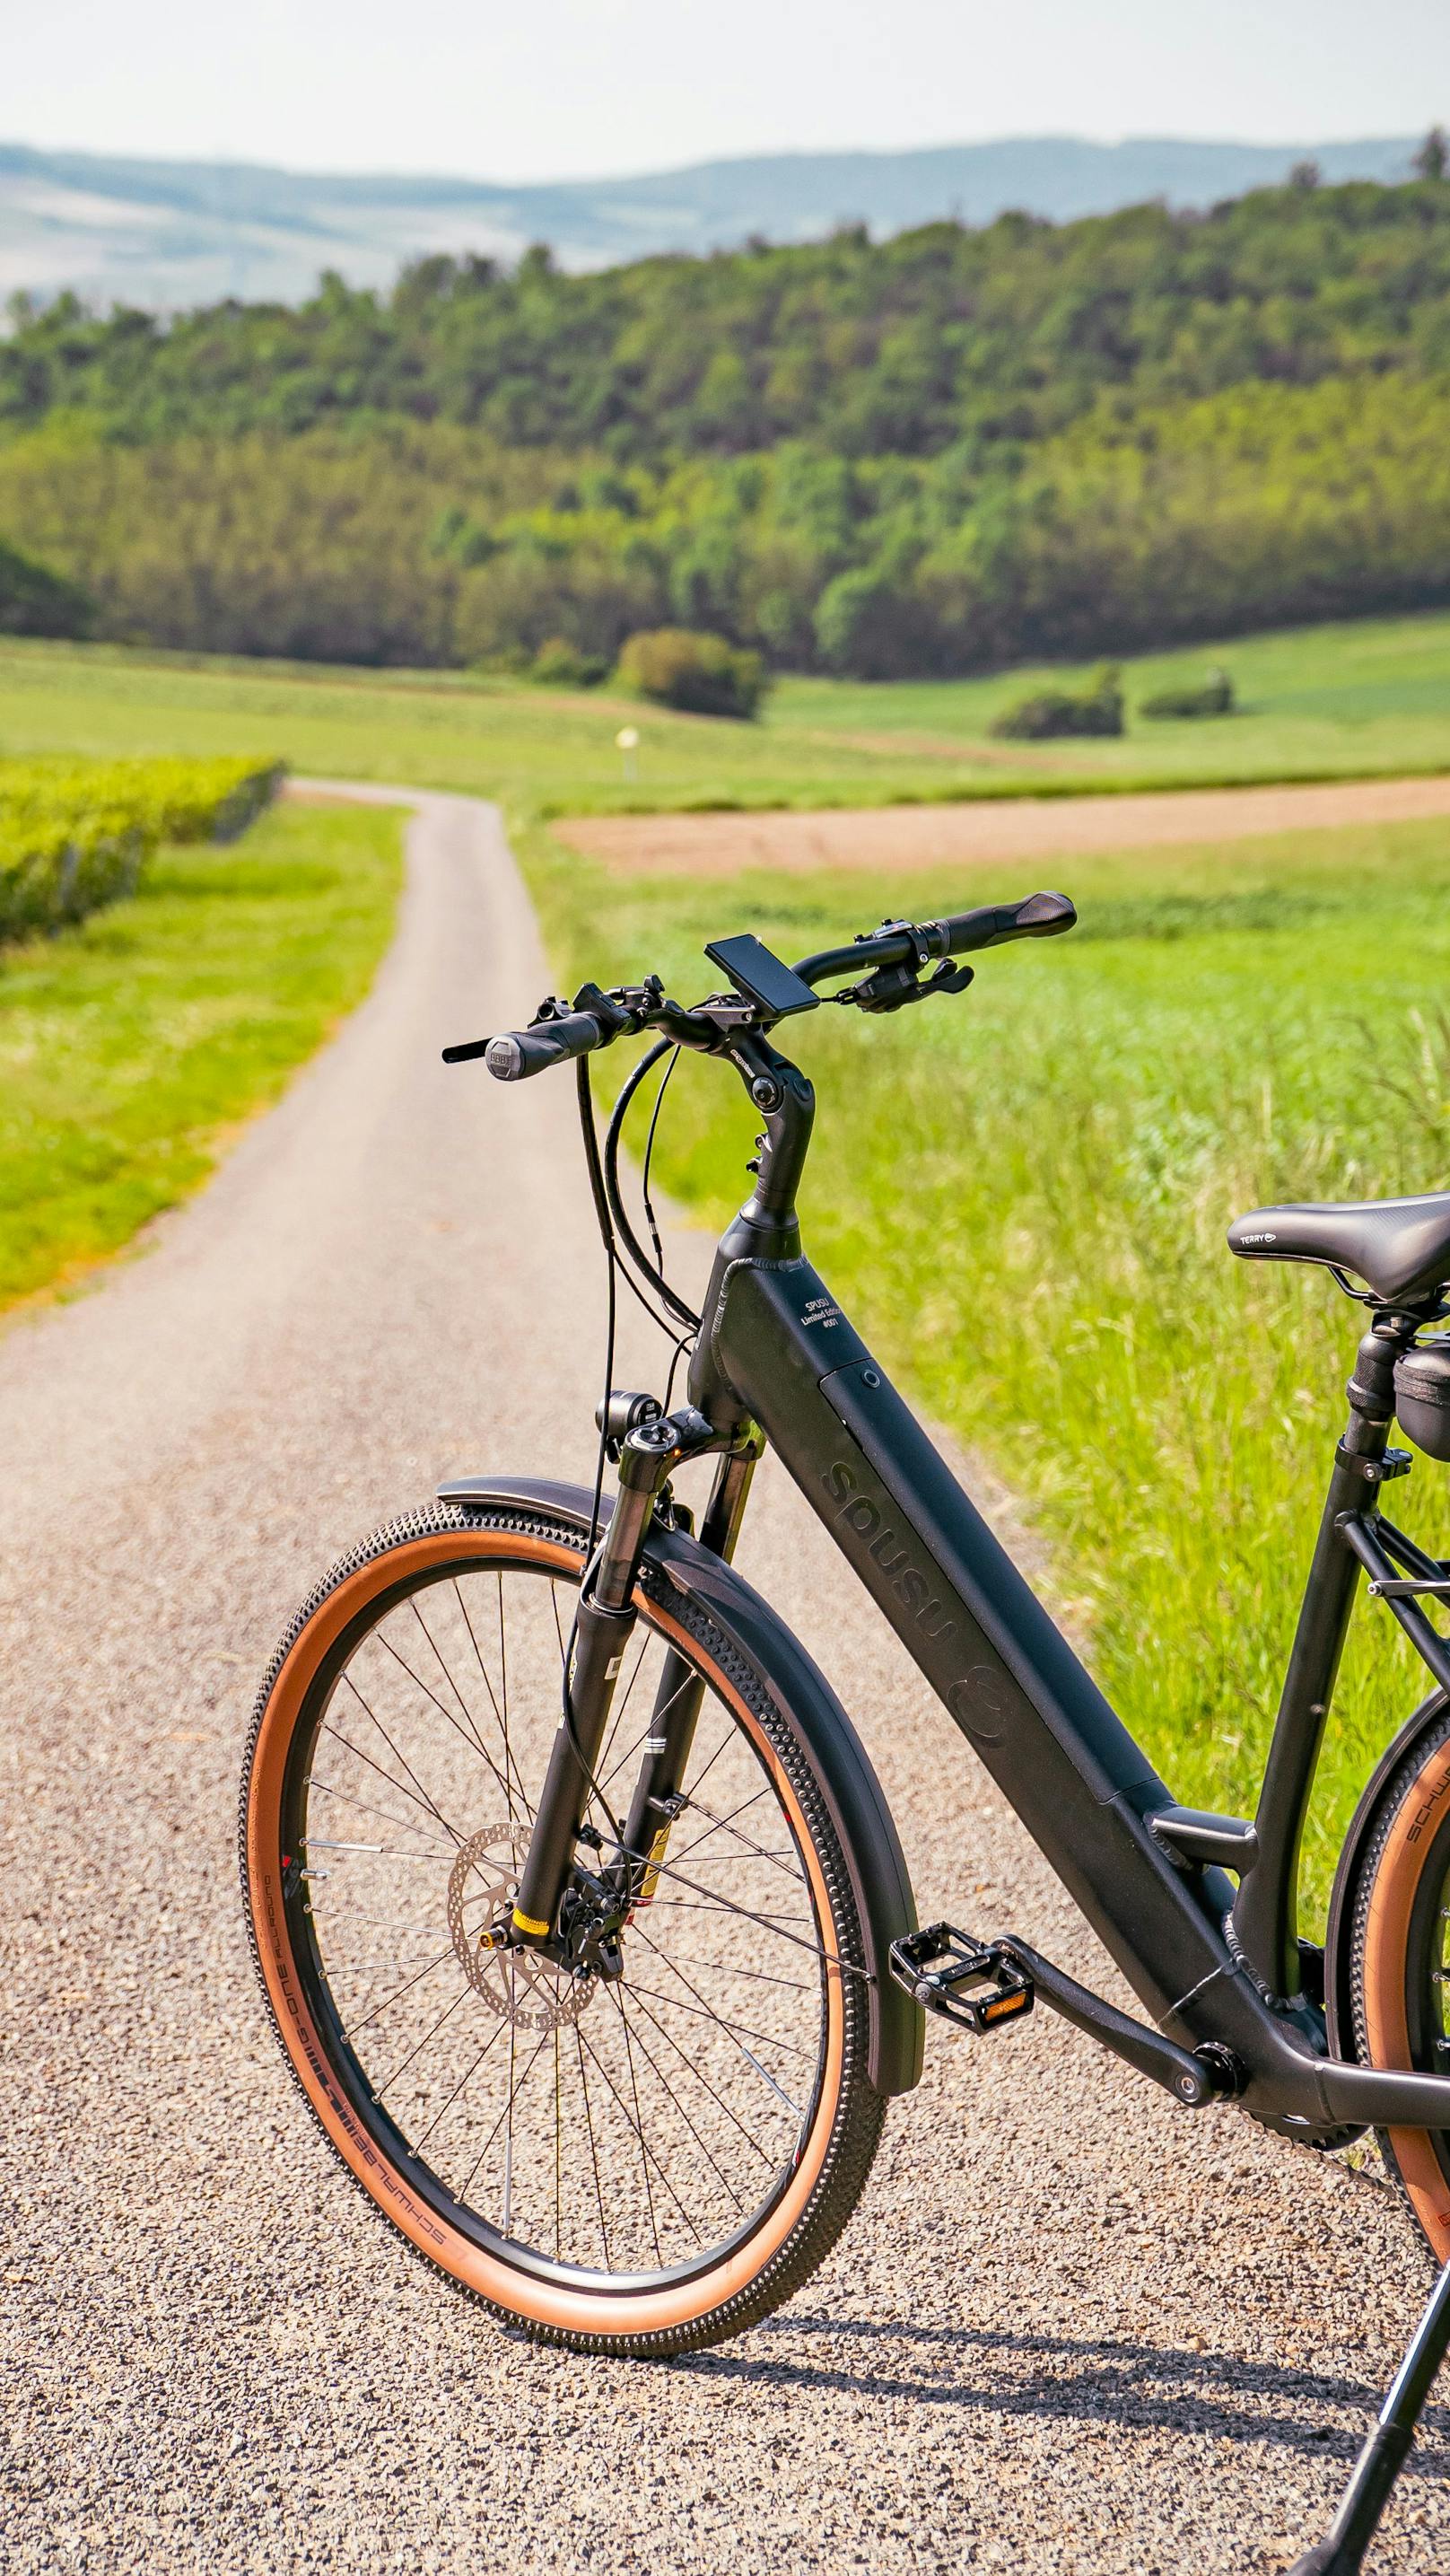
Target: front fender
point(806, 1702)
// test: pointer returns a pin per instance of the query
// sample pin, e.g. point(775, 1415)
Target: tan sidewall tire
point(1388, 1907)
point(665, 2312)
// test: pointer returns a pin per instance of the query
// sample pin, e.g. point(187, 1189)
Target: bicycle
point(577, 1906)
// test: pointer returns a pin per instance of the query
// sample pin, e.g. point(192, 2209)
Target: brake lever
point(891, 988)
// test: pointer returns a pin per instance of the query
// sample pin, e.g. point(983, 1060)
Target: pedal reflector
point(972, 1983)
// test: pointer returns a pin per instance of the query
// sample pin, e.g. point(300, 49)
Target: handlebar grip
point(1040, 916)
point(517, 1053)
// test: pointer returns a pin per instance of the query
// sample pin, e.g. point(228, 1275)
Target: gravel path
point(990, 829)
point(1042, 2344)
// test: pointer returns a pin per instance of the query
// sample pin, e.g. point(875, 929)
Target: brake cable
point(649, 1147)
point(634, 1250)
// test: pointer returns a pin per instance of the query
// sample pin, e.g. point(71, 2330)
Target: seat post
point(1266, 1909)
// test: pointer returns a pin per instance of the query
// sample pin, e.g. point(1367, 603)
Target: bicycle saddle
point(1400, 1248)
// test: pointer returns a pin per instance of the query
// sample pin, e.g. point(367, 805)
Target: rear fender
point(1339, 1937)
point(807, 1704)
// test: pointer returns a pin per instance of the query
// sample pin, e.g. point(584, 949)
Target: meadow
point(1020, 1195)
point(133, 1045)
point(1338, 701)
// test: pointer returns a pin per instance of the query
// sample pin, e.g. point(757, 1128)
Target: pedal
point(960, 1980)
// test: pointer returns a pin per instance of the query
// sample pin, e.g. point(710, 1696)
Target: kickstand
point(1341, 2552)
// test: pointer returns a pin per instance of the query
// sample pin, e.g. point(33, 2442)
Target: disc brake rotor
point(529, 1992)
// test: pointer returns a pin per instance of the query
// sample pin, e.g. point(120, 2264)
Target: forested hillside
point(932, 453)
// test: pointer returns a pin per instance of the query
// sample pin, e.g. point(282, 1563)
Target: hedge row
point(76, 834)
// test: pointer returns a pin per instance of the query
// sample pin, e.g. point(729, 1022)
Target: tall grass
point(131, 1045)
point(1022, 1196)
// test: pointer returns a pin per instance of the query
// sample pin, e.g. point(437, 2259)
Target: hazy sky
point(549, 88)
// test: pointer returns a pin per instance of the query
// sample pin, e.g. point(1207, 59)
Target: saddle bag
point(1422, 1397)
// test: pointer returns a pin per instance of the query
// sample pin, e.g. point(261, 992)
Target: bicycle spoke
point(702, 2012)
point(617, 1714)
point(654, 1720)
point(430, 1803)
point(716, 1823)
point(445, 1713)
point(646, 2150)
point(736, 1860)
point(634, 2088)
point(668, 2036)
point(593, 2149)
point(381, 2090)
point(732, 1968)
point(726, 2185)
point(498, 2124)
point(511, 1768)
point(727, 1824)
point(404, 1824)
point(370, 1851)
point(471, 1722)
point(397, 1994)
point(710, 1901)
point(460, 2087)
point(715, 1902)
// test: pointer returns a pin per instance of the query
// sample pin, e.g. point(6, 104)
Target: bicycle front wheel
point(641, 2162)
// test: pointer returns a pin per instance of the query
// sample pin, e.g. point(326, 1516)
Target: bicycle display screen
point(755, 970)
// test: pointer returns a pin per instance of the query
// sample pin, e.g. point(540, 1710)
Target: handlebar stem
point(787, 1103)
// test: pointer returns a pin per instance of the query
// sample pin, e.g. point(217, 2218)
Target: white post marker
point(627, 741)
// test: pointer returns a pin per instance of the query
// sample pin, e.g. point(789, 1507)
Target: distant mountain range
point(176, 233)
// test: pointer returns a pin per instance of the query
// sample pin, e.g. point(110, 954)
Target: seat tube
point(1266, 1909)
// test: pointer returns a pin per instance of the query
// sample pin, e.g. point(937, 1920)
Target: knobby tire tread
point(1392, 1797)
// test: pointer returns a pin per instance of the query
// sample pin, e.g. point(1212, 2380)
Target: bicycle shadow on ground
point(1136, 2386)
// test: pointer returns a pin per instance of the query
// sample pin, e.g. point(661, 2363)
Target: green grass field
point(1332, 701)
point(131, 1045)
point(1021, 1197)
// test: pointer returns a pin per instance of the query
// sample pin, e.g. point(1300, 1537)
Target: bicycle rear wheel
point(1400, 1959)
point(640, 2163)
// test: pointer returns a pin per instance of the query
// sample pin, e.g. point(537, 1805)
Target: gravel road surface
point(1070, 2328)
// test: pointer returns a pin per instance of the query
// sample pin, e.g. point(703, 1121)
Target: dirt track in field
point(1070, 2327)
point(907, 837)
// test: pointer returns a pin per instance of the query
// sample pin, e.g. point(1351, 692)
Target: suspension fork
point(680, 1691)
point(605, 1623)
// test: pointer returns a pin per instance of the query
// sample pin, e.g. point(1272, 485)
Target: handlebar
point(520, 1052)
point(1040, 917)
point(957, 936)
point(560, 1034)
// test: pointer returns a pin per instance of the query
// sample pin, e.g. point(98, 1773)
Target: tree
point(1305, 174)
point(1432, 161)
point(36, 601)
point(703, 674)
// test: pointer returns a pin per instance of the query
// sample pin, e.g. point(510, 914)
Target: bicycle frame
point(1214, 1967)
